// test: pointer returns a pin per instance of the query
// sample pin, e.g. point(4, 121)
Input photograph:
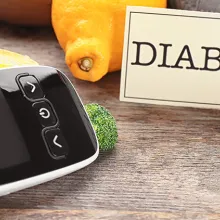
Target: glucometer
point(45, 132)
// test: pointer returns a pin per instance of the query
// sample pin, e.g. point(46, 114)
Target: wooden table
point(166, 164)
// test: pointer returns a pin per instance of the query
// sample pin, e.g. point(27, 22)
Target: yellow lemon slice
point(9, 59)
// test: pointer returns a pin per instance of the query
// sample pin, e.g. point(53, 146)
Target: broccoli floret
point(104, 125)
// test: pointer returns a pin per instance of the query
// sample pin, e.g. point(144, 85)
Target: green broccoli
point(104, 125)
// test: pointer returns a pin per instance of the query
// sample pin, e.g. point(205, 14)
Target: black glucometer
point(45, 132)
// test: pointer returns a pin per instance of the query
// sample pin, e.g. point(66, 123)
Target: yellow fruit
point(91, 32)
point(9, 59)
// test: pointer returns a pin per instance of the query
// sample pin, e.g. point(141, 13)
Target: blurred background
point(37, 12)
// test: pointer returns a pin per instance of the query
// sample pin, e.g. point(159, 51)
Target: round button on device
point(45, 113)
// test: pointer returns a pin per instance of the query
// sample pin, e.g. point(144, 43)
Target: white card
point(171, 57)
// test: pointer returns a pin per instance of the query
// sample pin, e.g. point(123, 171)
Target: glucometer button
point(56, 143)
point(31, 87)
point(45, 113)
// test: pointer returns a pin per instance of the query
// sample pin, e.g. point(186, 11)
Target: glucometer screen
point(13, 150)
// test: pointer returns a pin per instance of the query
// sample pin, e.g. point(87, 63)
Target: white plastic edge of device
point(6, 189)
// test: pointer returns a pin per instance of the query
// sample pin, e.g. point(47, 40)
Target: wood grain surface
point(166, 164)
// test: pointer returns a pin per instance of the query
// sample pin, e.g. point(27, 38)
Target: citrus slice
point(9, 59)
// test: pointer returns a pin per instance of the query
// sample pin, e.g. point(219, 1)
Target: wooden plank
point(167, 159)
point(28, 214)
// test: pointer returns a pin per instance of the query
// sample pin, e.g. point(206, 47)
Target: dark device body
point(43, 127)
